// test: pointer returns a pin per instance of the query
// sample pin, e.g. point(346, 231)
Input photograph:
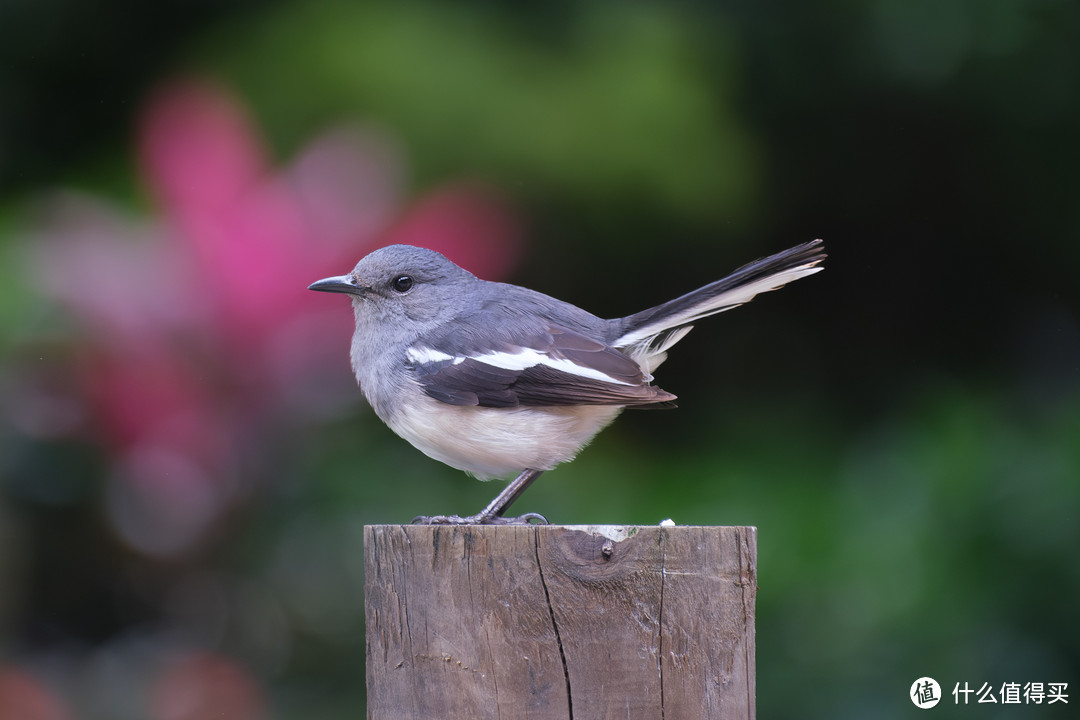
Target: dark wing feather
point(468, 383)
point(544, 386)
point(468, 380)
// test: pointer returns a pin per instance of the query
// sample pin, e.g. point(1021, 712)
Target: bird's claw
point(526, 519)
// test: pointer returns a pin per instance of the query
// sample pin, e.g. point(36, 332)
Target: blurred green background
point(186, 466)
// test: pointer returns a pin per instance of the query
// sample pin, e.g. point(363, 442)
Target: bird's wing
point(539, 367)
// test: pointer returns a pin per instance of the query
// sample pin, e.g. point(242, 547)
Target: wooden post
point(548, 622)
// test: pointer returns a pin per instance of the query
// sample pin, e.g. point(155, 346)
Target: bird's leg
point(495, 510)
point(493, 513)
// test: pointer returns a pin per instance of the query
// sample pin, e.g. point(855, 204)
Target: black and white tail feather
point(648, 335)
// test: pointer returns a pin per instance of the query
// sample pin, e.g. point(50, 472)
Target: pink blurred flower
point(24, 698)
point(199, 344)
point(204, 685)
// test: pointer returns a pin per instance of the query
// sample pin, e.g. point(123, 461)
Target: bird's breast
point(498, 442)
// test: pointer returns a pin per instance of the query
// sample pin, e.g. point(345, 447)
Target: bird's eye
point(402, 283)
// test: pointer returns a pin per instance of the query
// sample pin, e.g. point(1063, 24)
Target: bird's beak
point(338, 283)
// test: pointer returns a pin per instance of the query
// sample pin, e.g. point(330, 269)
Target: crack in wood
point(555, 627)
point(660, 620)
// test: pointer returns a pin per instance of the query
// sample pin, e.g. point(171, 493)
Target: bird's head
point(410, 286)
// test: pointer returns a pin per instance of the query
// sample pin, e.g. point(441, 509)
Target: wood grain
point(560, 622)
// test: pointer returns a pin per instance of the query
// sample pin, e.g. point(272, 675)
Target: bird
point(499, 380)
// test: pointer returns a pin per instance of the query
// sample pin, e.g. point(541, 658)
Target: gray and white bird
point(496, 379)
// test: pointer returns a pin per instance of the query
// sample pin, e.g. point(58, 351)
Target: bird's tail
point(647, 335)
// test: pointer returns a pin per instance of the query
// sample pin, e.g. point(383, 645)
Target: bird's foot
point(480, 519)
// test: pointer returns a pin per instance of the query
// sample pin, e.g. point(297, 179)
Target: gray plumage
point(493, 379)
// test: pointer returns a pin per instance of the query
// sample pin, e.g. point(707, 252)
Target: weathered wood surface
point(550, 622)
